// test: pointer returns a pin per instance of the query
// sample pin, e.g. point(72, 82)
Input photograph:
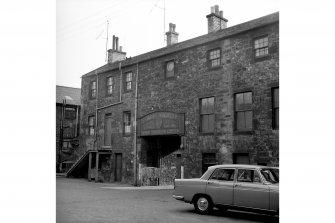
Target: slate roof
point(220, 34)
point(68, 93)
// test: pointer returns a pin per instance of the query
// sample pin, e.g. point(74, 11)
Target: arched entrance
point(161, 139)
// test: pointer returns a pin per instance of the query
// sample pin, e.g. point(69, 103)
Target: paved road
point(81, 201)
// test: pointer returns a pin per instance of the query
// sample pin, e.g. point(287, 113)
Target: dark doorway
point(118, 167)
point(158, 147)
point(241, 158)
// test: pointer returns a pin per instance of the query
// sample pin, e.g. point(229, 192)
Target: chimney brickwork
point(115, 54)
point(215, 19)
point(171, 35)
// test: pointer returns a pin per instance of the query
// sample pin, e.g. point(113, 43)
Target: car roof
point(240, 166)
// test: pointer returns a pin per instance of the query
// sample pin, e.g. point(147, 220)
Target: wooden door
point(118, 167)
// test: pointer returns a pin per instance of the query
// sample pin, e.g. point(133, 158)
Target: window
point(275, 108)
point(108, 130)
point(223, 175)
point(67, 145)
point(207, 115)
point(126, 122)
point(215, 58)
point(93, 89)
point(128, 80)
point(243, 111)
point(91, 121)
point(70, 113)
point(208, 159)
point(110, 81)
point(169, 69)
point(250, 176)
point(261, 47)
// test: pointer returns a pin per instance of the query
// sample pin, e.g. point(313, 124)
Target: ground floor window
point(208, 159)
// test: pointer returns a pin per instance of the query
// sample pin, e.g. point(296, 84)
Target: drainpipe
point(135, 128)
point(96, 110)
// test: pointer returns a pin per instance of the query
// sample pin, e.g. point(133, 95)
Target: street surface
point(81, 201)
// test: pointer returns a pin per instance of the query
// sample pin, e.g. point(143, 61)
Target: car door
point(249, 190)
point(220, 186)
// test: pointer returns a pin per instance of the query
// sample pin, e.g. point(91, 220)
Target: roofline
point(220, 34)
point(68, 87)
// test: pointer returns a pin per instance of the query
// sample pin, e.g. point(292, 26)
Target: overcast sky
point(82, 27)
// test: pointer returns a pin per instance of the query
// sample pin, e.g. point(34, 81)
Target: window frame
point(260, 48)
point(210, 61)
point(66, 113)
point(201, 115)
point(275, 125)
point(125, 82)
point(166, 69)
point(108, 86)
point(125, 133)
point(236, 111)
point(252, 176)
point(91, 127)
point(93, 90)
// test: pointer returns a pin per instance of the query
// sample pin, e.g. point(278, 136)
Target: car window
point(223, 175)
point(270, 175)
point(245, 175)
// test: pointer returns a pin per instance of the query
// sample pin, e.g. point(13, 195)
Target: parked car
point(234, 186)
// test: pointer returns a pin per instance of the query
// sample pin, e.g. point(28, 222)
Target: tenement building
point(67, 126)
point(172, 112)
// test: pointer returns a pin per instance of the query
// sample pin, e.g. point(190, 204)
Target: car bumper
point(181, 198)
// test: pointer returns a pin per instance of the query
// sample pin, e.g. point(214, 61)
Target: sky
point(81, 28)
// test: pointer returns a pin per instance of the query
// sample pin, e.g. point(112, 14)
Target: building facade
point(67, 126)
point(172, 112)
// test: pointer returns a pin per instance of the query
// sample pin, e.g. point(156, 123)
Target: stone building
point(172, 112)
point(67, 126)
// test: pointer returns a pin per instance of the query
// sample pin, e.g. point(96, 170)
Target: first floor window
point(126, 122)
point(215, 57)
point(275, 108)
point(261, 46)
point(243, 111)
point(207, 115)
point(91, 120)
point(128, 80)
point(109, 85)
point(93, 89)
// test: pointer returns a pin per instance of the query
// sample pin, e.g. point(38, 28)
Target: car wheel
point(203, 205)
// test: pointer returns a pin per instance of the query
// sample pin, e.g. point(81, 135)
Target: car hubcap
point(202, 203)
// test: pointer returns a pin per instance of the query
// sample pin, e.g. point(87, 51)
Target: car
point(232, 186)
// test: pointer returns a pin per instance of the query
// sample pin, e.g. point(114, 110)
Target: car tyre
point(203, 204)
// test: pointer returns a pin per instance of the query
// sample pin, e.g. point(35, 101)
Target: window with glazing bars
point(207, 115)
point(93, 89)
point(126, 123)
point(110, 85)
point(275, 108)
point(128, 80)
point(261, 47)
point(91, 120)
point(215, 57)
point(243, 111)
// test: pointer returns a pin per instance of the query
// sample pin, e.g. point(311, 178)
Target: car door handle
point(236, 185)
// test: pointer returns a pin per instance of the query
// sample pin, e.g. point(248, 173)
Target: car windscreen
point(270, 175)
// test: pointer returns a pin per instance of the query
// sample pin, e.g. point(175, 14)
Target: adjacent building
point(172, 112)
point(67, 126)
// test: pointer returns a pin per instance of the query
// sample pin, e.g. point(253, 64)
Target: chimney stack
point(171, 35)
point(115, 54)
point(215, 20)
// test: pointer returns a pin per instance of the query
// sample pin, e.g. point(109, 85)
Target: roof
point(220, 34)
point(72, 95)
